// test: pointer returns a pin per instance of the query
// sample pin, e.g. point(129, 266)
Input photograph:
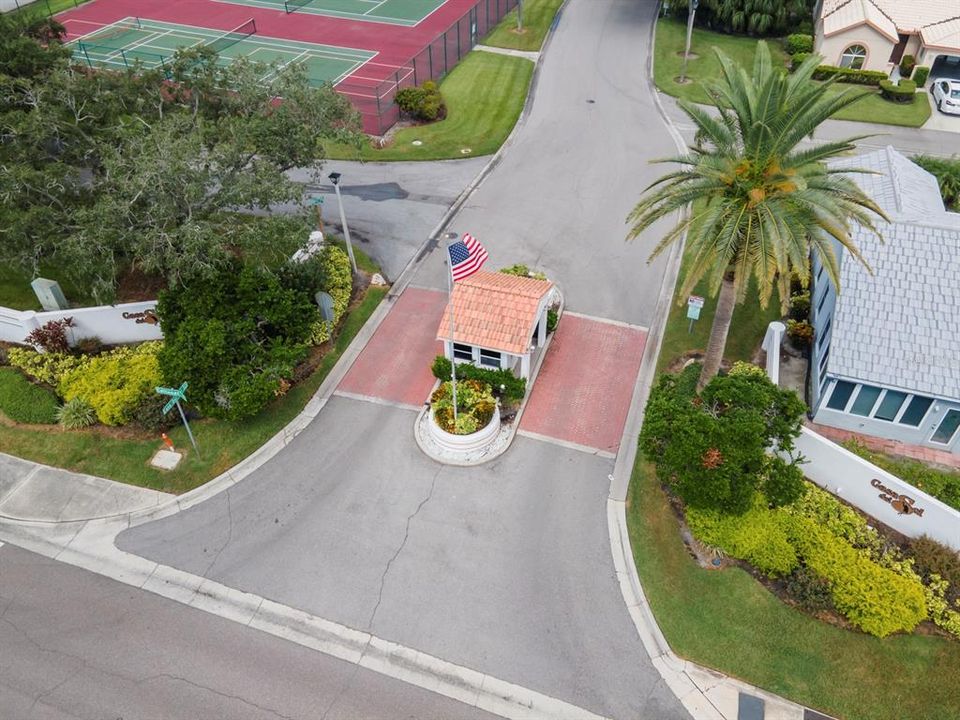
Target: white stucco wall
point(106, 322)
point(878, 46)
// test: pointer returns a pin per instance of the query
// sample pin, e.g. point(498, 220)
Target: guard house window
point(824, 333)
point(840, 395)
point(853, 57)
point(915, 411)
point(890, 405)
point(462, 352)
point(490, 358)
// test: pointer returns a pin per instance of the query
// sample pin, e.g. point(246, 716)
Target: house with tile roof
point(876, 34)
point(885, 359)
point(499, 320)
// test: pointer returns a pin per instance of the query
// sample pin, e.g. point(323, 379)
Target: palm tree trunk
point(718, 332)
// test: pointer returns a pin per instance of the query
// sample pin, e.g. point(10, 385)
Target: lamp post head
point(334, 178)
point(451, 237)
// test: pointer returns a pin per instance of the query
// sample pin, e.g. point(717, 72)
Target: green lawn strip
point(16, 293)
point(537, 17)
point(222, 444)
point(22, 401)
point(670, 41)
point(484, 95)
point(48, 7)
point(728, 621)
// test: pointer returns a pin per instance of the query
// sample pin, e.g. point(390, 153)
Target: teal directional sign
point(176, 395)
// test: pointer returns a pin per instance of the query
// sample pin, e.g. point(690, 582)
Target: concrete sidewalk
point(38, 493)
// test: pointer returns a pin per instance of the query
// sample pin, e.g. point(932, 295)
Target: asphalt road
point(504, 568)
point(78, 645)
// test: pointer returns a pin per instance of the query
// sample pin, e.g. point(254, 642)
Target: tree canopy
point(106, 170)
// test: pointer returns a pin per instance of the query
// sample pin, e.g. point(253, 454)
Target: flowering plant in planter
point(475, 406)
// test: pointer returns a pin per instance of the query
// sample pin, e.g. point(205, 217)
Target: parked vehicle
point(946, 94)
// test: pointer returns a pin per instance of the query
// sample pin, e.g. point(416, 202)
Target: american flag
point(466, 257)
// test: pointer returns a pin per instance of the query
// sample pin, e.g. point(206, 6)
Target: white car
point(946, 94)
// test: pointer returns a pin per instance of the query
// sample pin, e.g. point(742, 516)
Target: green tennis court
point(394, 12)
point(152, 44)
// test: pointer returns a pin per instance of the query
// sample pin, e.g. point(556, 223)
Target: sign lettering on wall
point(148, 317)
point(903, 504)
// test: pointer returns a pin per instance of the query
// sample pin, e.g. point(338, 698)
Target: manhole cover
point(465, 151)
point(417, 142)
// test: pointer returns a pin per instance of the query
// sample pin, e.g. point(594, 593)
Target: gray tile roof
point(900, 326)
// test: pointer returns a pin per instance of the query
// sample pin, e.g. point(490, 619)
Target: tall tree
point(759, 203)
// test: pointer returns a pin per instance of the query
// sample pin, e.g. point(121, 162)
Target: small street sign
point(694, 305)
point(176, 395)
point(315, 200)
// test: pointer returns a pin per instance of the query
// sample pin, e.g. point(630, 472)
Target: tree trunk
point(718, 332)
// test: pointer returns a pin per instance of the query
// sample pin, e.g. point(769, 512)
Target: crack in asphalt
point(343, 690)
point(218, 693)
point(229, 536)
point(406, 535)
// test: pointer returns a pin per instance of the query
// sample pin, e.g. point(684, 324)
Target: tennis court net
point(121, 27)
point(221, 43)
point(294, 5)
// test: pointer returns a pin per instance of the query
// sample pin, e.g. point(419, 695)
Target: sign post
point(176, 395)
point(694, 304)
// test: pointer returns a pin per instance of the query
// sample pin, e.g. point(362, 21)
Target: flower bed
point(475, 407)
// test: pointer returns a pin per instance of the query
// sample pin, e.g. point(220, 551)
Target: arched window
point(853, 57)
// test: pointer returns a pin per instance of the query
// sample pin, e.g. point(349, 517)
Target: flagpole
point(453, 357)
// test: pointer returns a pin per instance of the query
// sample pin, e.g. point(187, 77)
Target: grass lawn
point(671, 38)
point(484, 94)
point(222, 444)
point(16, 293)
point(728, 621)
point(48, 7)
point(537, 17)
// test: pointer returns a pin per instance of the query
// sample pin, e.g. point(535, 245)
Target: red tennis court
point(403, 54)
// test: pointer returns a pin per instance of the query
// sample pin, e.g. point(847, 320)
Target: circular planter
point(466, 443)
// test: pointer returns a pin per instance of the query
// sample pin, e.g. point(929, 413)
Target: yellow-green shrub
point(116, 382)
point(876, 600)
point(338, 281)
point(758, 536)
point(48, 368)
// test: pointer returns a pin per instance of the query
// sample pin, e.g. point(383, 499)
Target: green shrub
point(75, 414)
point(947, 172)
point(522, 270)
point(800, 307)
point(907, 64)
point(712, 449)
point(475, 406)
point(903, 92)
point(838, 518)
point(24, 402)
point(513, 388)
point(810, 590)
point(797, 59)
point(849, 75)
point(931, 558)
point(553, 319)
point(236, 337)
point(920, 75)
point(744, 369)
point(330, 271)
point(798, 43)
point(757, 536)
point(48, 368)
point(942, 484)
point(800, 331)
point(876, 600)
point(421, 103)
point(114, 383)
point(148, 414)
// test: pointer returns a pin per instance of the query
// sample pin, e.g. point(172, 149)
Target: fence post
point(83, 49)
point(415, 71)
point(459, 48)
point(445, 65)
point(430, 59)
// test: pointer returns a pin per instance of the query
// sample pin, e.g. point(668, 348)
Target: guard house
point(499, 321)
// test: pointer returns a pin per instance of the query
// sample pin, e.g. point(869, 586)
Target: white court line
point(280, 68)
point(375, 7)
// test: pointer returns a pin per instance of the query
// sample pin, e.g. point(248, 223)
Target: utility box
point(49, 294)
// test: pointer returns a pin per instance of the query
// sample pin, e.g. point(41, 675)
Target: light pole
point(519, 16)
point(335, 179)
point(686, 51)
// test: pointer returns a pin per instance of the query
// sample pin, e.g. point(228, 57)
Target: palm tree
point(759, 204)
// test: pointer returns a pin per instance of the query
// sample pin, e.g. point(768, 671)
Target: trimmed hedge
point(876, 600)
point(758, 536)
point(920, 75)
point(423, 103)
point(903, 92)
point(338, 283)
point(849, 75)
point(24, 402)
point(115, 383)
point(798, 43)
point(48, 367)
point(514, 388)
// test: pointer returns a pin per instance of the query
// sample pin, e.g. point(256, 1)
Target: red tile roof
point(495, 311)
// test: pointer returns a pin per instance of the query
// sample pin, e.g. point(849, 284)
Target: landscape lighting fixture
point(334, 178)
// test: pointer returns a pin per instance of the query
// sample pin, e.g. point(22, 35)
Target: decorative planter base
point(473, 449)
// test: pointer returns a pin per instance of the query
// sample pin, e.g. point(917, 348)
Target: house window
point(463, 352)
point(490, 358)
point(823, 335)
point(823, 300)
point(947, 427)
point(890, 405)
point(853, 57)
point(866, 399)
point(823, 371)
point(915, 411)
point(823, 360)
point(840, 395)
